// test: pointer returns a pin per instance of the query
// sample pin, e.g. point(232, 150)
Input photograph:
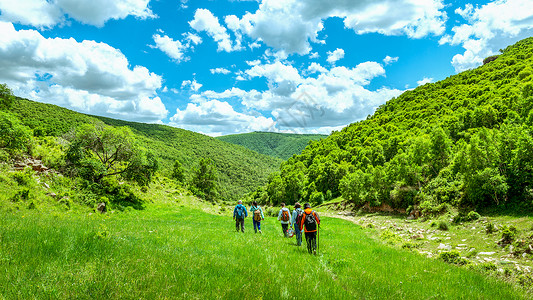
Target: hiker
point(257, 213)
point(239, 213)
point(284, 217)
point(311, 222)
point(297, 215)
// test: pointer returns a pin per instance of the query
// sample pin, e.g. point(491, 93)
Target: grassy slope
point(172, 251)
point(241, 170)
point(281, 145)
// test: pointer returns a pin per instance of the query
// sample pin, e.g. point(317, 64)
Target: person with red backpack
point(284, 217)
point(310, 221)
point(297, 215)
point(257, 213)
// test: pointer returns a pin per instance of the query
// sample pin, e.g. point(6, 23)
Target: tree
point(14, 137)
point(6, 97)
point(205, 180)
point(177, 172)
point(98, 151)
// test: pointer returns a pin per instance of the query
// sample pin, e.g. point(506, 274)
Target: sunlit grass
point(178, 252)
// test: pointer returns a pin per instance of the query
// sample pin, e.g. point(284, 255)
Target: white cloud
point(47, 14)
point(192, 85)
point(214, 117)
point(176, 49)
point(85, 76)
point(490, 27)
point(316, 68)
point(291, 25)
point(332, 99)
point(334, 56)
point(424, 81)
point(204, 20)
point(389, 60)
point(253, 62)
point(220, 71)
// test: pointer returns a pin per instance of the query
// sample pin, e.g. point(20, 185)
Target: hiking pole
point(317, 238)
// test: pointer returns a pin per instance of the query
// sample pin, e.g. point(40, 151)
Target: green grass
point(172, 251)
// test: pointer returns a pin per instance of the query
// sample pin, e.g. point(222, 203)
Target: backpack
point(257, 215)
point(299, 216)
point(310, 221)
point(240, 212)
point(285, 215)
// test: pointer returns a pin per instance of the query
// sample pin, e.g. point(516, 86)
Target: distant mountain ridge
point(280, 145)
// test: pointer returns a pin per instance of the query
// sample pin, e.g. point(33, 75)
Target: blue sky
point(230, 66)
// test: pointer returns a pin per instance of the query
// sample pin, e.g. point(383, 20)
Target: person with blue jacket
point(294, 220)
point(239, 213)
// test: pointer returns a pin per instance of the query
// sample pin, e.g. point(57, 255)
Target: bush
point(490, 228)
point(453, 257)
point(462, 217)
point(508, 234)
point(443, 225)
point(317, 198)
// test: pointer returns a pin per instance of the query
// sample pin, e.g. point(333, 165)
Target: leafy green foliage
point(466, 141)
point(205, 180)
point(280, 145)
point(177, 172)
point(14, 137)
point(98, 151)
point(6, 97)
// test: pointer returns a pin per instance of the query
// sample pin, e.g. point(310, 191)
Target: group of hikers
point(306, 220)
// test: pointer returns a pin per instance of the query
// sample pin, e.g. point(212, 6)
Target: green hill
point(280, 145)
point(241, 170)
point(464, 141)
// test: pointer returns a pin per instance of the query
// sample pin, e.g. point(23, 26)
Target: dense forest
point(98, 154)
point(466, 141)
point(280, 145)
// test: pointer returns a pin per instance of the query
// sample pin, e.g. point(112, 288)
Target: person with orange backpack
point(257, 213)
point(310, 221)
point(284, 217)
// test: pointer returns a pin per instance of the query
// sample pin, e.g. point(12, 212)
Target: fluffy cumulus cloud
point(204, 20)
point(328, 101)
point(86, 76)
point(175, 49)
point(334, 56)
point(489, 28)
point(424, 81)
point(219, 71)
point(291, 25)
point(214, 117)
point(46, 14)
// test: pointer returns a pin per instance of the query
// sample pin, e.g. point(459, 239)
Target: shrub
point(490, 228)
point(508, 234)
point(317, 198)
point(443, 225)
point(462, 217)
point(453, 257)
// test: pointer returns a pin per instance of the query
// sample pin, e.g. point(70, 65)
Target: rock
point(417, 237)
point(486, 253)
point(46, 186)
point(444, 247)
point(53, 195)
point(462, 245)
point(101, 207)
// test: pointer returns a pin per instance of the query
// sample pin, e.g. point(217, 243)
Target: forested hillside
point(465, 141)
point(280, 145)
point(239, 170)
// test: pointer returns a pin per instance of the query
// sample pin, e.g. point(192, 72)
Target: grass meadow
point(175, 252)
